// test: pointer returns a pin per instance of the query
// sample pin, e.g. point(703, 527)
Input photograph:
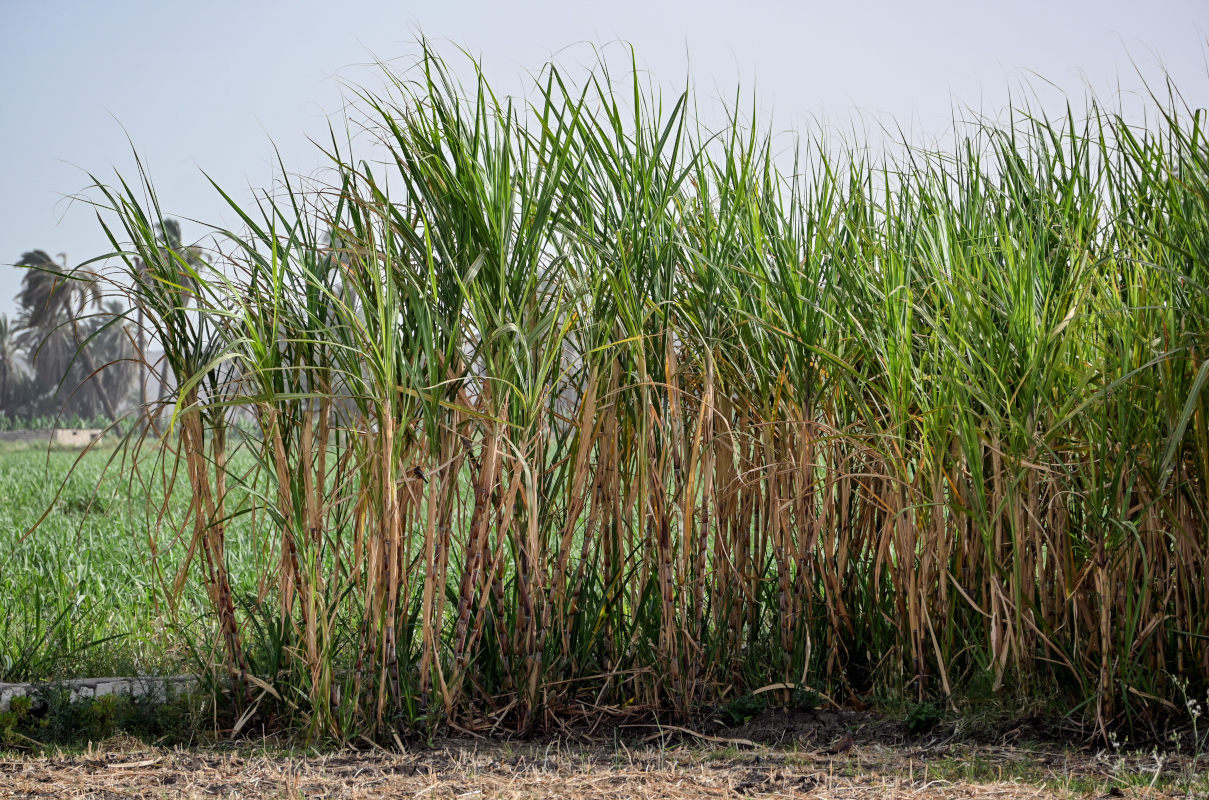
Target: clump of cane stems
point(574, 403)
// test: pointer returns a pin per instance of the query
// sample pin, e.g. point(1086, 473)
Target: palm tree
point(108, 344)
point(53, 301)
point(50, 292)
point(46, 300)
point(172, 247)
point(10, 365)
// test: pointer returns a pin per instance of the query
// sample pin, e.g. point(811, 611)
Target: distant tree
point(47, 301)
point(70, 348)
point(48, 293)
point(188, 258)
point(10, 365)
point(107, 371)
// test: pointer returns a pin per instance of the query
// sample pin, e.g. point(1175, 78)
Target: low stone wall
point(158, 689)
point(25, 437)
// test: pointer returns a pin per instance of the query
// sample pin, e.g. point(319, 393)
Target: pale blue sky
point(213, 85)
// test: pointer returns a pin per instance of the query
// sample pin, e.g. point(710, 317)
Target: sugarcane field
point(608, 438)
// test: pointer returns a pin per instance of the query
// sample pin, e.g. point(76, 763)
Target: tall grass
point(573, 403)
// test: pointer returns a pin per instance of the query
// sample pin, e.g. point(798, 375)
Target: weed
point(923, 717)
point(743, 708)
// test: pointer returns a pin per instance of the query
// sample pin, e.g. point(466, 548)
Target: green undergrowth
point(50, 718)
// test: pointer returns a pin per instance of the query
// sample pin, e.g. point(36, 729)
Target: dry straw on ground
point(469, 772)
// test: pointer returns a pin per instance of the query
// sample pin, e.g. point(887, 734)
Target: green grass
point(82, 593)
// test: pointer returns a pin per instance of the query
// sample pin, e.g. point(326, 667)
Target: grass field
point(84, 593)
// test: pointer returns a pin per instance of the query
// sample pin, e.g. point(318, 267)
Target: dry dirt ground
point(684, 767)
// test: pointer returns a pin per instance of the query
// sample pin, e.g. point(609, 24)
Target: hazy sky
point(213, 85)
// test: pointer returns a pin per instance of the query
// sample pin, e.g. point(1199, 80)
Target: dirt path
point(473, 771)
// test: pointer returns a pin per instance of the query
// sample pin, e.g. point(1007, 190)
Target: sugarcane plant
point(573, 402)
